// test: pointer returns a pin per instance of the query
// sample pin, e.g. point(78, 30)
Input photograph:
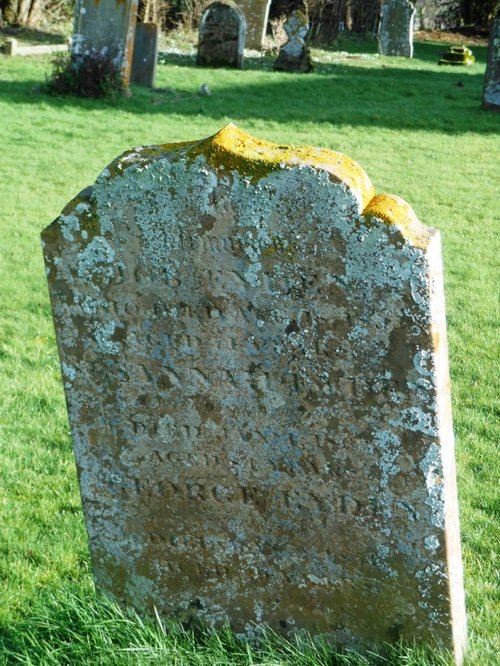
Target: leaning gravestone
point(395, 34)
point(145, 55)
point(294, 55)
point(221, 40)
point(105, 26)
point(253, 348)
point(491, 90)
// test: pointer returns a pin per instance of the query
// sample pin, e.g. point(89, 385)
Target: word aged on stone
point(253, 348)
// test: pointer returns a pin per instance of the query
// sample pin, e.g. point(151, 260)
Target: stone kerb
point(396, 28)
point(221, 40)
point(253, 348)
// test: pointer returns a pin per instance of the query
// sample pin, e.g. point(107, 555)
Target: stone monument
point(395, 36)
point(145, 55)
point(256, 14)
point(294, 55)
point(221, 41)
point(491, 90)
point(107, 26)
point(253, 347)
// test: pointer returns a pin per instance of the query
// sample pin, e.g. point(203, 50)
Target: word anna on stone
point(253, 347)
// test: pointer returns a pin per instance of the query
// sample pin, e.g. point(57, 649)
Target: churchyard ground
point(418, 131)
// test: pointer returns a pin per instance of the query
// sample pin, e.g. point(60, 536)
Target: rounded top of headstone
point(231, 151)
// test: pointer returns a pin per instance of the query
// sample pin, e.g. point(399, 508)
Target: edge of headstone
point(232, 149)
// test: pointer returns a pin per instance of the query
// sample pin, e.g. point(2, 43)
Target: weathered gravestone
point(395, 34)
point(256, 15)
point(221, 40)
point(106, 27)
point(253, 348)
point(491, 89)
point(294, 55)
point(145, 55)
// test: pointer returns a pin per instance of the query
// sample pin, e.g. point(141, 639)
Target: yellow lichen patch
point(394, 210)
point(232, 149)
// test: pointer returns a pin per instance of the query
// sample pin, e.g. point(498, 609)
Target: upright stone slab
point(395, 36)
point(257, 15)
point(106, 26)
point(491, 90)
point(253, 348)
point(294, 55)
point(221, 41)
point(145, 55)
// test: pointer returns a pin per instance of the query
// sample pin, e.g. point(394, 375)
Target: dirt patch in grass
point(451, 37)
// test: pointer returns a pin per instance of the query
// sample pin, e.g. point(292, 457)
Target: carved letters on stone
point(253, 348)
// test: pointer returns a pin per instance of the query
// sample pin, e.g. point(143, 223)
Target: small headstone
point(221, 41)
point(256, 15)
point(457, 55)
point(106, 27)
point(145, 55)
point(294, 55)
point(253, 348)
point(395, 34)
point(11, 46)
point(491, 90)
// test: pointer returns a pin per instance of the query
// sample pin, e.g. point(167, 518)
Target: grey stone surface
point(106, 26)
point(396, 28)
point(256, 15)
point(145, 55)
point(253, 348)
point(294, 55)
point(491, 90)
point(221, 41)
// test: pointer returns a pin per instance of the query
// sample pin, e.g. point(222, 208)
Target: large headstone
point(395, 34)
point(491, 90)
point(221, 40)
point(254, 355)
point(145, 56)
point(256, 14)
point(294, 55)
point(106, 26)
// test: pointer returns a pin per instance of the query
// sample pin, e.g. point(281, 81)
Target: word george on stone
point(253, 347)
point(294, 55)
point(221, 40)
point(395, 36)
point(491, 89)
point(107, 26)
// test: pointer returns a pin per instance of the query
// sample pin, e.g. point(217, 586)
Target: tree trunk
point(22, 12)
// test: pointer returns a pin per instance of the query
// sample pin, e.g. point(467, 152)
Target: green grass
point(417, 129)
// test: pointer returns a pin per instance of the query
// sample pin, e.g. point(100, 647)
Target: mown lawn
point(418, 131)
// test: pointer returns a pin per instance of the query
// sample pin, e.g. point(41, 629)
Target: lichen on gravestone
point(253, 348)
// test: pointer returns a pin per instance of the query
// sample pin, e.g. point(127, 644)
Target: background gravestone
point(106, 26)
point(221, 41)
point(395, 34)
point(253, 348)
point(294, 55)
point(256, 15)
point(145, 55)
point(491, 90)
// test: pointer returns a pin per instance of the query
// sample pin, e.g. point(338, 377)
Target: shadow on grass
point(32, 35)
point(379, 93)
